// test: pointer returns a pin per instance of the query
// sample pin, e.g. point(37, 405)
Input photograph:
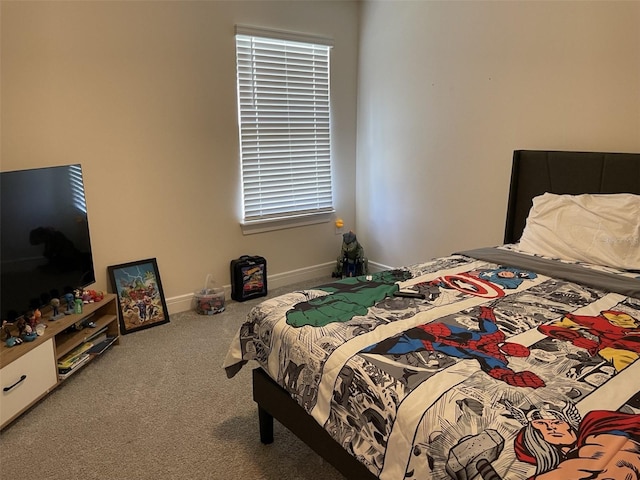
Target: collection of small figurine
point(29, 326)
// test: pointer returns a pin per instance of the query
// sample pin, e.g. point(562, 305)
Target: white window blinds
point(285, 142)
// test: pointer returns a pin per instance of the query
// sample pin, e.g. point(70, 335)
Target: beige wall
point(448, 90)
point(143, 95)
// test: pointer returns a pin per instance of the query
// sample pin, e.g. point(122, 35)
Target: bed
point(517, 361)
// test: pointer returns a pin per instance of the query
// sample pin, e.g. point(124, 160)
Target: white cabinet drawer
point(26, 379)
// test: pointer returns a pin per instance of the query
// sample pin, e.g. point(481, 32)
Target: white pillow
point(603, 229)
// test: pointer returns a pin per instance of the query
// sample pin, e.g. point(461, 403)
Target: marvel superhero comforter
point(513, 364)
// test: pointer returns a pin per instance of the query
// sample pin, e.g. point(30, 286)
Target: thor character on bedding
point(603, 445)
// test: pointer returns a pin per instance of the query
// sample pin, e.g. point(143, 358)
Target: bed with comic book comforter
point(516, 362)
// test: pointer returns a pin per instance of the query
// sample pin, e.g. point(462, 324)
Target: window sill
point(261, 226)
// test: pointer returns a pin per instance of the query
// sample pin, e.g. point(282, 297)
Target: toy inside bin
point(209, 301)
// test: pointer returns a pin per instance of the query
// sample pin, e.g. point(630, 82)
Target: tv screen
point(45, 249)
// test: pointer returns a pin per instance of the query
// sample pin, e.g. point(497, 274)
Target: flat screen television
point(45, 248)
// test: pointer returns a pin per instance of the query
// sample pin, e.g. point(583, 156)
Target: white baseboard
point(180, 303)
point(185, 302)
point(379, 267)
point(300, 275)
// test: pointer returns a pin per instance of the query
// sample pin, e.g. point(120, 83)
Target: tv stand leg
point(266, 426)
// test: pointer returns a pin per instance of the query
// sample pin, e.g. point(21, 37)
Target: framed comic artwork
point(140, 297)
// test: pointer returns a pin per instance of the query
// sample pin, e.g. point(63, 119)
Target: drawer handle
point(22, 379)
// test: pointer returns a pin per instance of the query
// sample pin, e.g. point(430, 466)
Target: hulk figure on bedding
point(347, 298)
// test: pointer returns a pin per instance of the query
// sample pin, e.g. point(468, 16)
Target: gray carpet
point(158, 406)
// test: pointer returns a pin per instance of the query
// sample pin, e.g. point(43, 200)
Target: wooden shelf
point(67, 341)
point(63, 339)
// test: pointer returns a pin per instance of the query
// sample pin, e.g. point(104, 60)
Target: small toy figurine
point(21, 324)
point(78, 302)
point(55, 308)
point(40, 328)
point(29, 334)
point(5, 330)
point(86, 296)
point(69, 301)
point(351, 261)
point(33, 317)
point(91, 296)
point(13, 341)
point(7, 336)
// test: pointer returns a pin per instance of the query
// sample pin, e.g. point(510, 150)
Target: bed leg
point(266, 426)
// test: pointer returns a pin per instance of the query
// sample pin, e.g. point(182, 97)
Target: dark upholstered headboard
point(535, 172)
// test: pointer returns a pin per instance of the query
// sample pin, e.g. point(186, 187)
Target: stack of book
point(74, 359)
point(94, 345)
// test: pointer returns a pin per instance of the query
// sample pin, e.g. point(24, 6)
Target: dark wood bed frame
point(533, 173)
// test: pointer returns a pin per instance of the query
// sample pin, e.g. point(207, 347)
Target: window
point(284, 113)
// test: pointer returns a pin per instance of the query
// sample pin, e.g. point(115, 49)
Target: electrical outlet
point(339, 230)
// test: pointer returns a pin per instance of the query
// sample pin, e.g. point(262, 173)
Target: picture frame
point(141, 300)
